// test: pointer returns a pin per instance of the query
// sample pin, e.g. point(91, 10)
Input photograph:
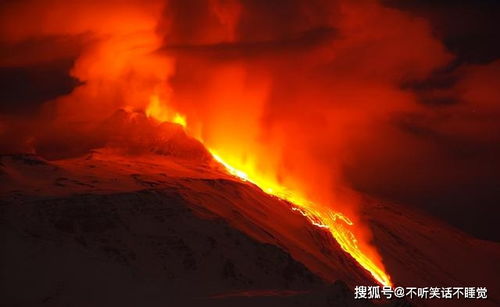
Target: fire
point(284, 99)
point(180, 119)
point(161, 113)
point(334, 222)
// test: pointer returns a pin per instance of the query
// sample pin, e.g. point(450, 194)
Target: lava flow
point(335, 222)
point(296, 97)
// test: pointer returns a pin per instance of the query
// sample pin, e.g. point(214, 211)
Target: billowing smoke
point(292, 87)
point(317, 95)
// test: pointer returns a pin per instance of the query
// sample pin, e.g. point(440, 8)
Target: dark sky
point(469, 29)
point(461, 184)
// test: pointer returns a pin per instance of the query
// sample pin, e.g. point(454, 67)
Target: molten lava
point(335, 222)
point(295, 97)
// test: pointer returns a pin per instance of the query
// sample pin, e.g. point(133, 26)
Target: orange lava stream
point(334, 222)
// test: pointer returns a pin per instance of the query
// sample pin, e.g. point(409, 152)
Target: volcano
point(160, 222)
point(249, 152)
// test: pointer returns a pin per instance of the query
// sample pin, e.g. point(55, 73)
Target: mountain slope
point(108, 226)
point(107, 229)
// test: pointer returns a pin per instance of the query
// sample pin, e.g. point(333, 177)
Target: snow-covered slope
point(109, 228)
point(421, 251)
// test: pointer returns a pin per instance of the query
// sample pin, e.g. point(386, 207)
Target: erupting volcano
point(335, 222)
point(238, 152)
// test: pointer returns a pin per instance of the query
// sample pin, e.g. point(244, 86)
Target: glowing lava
point(334, 222)
point(161, 113)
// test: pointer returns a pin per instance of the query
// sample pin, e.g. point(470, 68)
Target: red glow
point(281, 100)
point(339, 225)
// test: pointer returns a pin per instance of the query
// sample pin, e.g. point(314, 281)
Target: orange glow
point(335, 222)
point(161, 113)
point(179, 119)
point(297, 103)
point(156, 111)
